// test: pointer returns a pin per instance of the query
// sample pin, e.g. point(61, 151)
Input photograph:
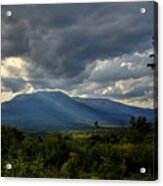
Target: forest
point(113, 153)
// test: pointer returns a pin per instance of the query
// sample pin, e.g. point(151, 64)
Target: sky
point(88, 50)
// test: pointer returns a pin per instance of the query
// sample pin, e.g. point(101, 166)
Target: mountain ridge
point(57, 110)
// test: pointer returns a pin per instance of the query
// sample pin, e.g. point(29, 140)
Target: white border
point(63, 182)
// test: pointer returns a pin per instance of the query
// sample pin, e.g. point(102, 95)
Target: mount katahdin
point(56, 110)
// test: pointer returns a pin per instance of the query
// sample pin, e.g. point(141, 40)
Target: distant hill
point(56, 110)
point(116, 108)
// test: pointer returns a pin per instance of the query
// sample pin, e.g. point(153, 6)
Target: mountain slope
point(113, 107)
point(56, 110)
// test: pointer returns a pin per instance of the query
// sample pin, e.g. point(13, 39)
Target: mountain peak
point(40, 94)
point(57, 110)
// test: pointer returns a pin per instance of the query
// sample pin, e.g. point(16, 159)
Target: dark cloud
point(63, 39)
point(14, 37)
point(13, 84)
point(62, 42)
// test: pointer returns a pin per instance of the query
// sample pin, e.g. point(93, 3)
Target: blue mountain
point(56, 110)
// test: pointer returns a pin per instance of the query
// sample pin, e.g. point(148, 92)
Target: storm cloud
point(57, 37)
point(63, 44)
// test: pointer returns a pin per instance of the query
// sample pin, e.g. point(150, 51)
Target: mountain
point(112, 107)
point(56, 110)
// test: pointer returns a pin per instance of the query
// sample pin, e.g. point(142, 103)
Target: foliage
point(93, 154)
